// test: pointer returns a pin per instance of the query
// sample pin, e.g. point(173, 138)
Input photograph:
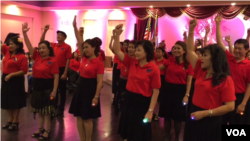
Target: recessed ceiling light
point(188, 5)
point(151, 6)
point(232, 4)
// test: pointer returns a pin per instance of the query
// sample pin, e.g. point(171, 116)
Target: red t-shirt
point(44, 68)
point(62, 53)
point(158, 63)
point(123, 68)
point(90, 69)
point(142, 80)
point(74, 65)
point(176, 73)
point(14, 63)
point(208, 97)
point(240, 72)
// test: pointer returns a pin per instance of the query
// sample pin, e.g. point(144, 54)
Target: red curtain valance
point(202, 12)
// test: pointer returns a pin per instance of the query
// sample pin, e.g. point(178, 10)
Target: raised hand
point(218, 19)
point(46, 28)
point(228, 39)
point(118, 30)
point(193, 23)
point(81, 30)
point(185, 33)
point(74, 22)
point(25, 28)
point(207, 29)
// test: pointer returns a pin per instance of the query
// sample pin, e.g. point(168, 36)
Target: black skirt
point(206, 129)
point(191, 93)
point(171, 106)
point(131, 126)
point(235, 118)
point(81, 104)
point(13, 93)
point(122, 83)
point(161, 93)
point(40, 99)
point(115, 77)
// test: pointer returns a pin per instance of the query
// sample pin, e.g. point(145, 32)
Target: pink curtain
point(202, 12)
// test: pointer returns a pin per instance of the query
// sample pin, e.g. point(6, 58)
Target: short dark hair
point(17, 41)
point(47, 43)
point(200, 50)
point(126, 41)
point(148, 48)
point(184, 47)
point(93, 43)
point(219, 63)
point(242, 41)
point(164, 52)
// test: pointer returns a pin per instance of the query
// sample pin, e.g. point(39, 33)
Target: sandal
point(13, 126)
point(38, 133)
point(7, 125)
point(43, 137)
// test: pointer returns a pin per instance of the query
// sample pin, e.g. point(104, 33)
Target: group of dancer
point(204, 87)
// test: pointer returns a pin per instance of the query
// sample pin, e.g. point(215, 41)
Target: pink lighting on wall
point(13, 10)
point(117, 15)
point(64, 23)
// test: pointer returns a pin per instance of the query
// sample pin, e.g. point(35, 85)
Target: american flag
point(148, 30)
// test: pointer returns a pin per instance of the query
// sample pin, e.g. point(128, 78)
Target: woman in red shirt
point(178, 79)
point(213, 87)
point(142, 90)
point(161, 56)
point(45, 83)
point(14, 66)
point(73, 72)
point(85, 104)
point(122, 82)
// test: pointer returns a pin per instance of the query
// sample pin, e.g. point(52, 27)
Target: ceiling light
point(188, 5)
point(232, 4)
point(127, 8)
point(151, 6)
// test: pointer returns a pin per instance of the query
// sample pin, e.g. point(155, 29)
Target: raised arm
point(231, 49)
point(190, 43)
point(111, 44)
point(248, 35)
point(185, 37)
point(218, 20)
point(117, 50)
point(207, 32)
point(78, 37)
point(46, 28)
point(25, 29)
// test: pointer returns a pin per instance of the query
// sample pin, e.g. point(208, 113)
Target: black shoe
point(43, 137)
point(38, 133)
point(7, 125)
point(13, 126)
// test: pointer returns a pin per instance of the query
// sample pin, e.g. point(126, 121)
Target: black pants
point(72, 76)
point(235, 118)
point(62, 90)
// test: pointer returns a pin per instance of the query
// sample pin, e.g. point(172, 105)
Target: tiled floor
point(64, 128)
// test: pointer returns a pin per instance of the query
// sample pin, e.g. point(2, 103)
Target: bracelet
point(187, 95)
point(210, 113)
point(150, 110)
point(96, 97)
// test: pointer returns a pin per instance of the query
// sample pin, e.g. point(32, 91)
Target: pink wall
point(12, 18)
point(62, 20)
